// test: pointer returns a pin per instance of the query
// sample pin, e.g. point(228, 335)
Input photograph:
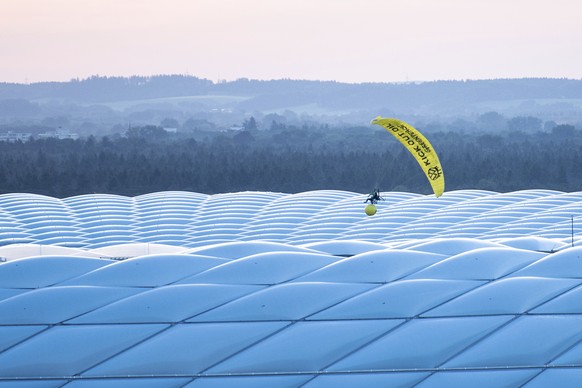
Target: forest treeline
point(353, 159)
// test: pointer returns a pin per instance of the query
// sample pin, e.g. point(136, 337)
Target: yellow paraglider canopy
point(419, 147)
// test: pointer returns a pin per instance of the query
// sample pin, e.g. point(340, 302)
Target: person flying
point(374, 197)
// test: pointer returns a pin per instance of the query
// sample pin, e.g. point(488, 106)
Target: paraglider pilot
point(374, 197)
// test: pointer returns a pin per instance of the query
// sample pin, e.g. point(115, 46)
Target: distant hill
point(265, 95)
point(108, 102)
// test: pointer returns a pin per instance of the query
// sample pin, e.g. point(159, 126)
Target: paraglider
point(373, 198)
point(420, 148)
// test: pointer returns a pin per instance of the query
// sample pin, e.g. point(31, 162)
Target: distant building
point(59, 134)
point(14, 136)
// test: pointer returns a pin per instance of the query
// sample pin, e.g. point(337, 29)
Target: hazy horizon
point(28, 82)
point(339, 40)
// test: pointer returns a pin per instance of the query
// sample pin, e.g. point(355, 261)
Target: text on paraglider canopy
point(421, 154)
point(411, 138)
point(409, 135)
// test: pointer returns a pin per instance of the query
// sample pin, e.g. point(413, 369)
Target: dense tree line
point(149, 160)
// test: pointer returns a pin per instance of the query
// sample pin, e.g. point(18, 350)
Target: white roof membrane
point(262, 289)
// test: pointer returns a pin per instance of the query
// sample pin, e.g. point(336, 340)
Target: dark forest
point(289, 160)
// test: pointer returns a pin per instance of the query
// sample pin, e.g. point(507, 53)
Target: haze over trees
point(145, 134)
point(109, 105)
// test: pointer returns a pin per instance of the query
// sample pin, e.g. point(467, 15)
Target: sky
point(339, 40)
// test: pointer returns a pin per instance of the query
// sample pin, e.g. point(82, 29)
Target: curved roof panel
point(184, 349)
point(263, 268)
point(506, 296)
point(169, 304)
point(291, 301)
point(523, 341)
point(480, 264)
point(286, 350)
point(376, 266)
point(79, 348)
point(144, 271)
point(43, 271)
point(53, 305)
point(475, 378)
point(564, 264)
point(421, 344)
point(271, 289)
point(398, 299)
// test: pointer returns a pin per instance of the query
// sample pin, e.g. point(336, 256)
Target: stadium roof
point(266, 289)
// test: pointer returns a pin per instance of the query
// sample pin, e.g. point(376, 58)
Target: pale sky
point(340, 40)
